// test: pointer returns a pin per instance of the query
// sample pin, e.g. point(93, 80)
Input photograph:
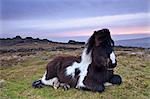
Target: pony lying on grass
point(89, 72)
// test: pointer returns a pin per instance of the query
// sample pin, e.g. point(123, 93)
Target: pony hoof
point(37, 84)
point(65, 86)
point(55, 87)
point(56, 84)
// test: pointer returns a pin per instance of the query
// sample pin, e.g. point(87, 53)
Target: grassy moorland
point(20, 69)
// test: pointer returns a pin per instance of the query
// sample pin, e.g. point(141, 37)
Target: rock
point(2, 83)
point(44, 58)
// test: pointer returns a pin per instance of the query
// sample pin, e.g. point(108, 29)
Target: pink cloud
point(113, 30)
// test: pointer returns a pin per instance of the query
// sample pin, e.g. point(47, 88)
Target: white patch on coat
point(49, 82)
point(82, 66)
point(86, 61)
point(71, 69)
point(113, 57)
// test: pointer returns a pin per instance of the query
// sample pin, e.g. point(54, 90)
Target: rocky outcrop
point(19, 40)
point(75, 42)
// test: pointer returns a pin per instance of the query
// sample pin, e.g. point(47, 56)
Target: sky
point(61, 19)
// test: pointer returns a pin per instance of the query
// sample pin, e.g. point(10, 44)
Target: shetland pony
point(89, 72)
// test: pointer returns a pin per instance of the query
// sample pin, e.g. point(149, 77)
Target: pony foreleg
point(54, 82)
point(93, 85)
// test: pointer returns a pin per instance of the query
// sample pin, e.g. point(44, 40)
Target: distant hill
point(29, 40)
point(139, 42)
point(75, 42)
point(19, 40)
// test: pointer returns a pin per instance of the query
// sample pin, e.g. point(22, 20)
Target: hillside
point(29, 44)
point(19, 69)
point(140, 42)
point(18, 41)
point(23, 60)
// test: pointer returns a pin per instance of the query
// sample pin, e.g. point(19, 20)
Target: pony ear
point(91, 42)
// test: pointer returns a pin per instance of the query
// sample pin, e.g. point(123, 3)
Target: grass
point(134, 69)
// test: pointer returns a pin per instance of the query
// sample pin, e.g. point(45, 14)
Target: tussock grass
point(134, 69)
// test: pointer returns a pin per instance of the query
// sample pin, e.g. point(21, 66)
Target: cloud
point(74, 24)
point(58, 9)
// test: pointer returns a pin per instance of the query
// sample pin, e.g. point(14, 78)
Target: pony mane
point(90, 44)
point(108, 42)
